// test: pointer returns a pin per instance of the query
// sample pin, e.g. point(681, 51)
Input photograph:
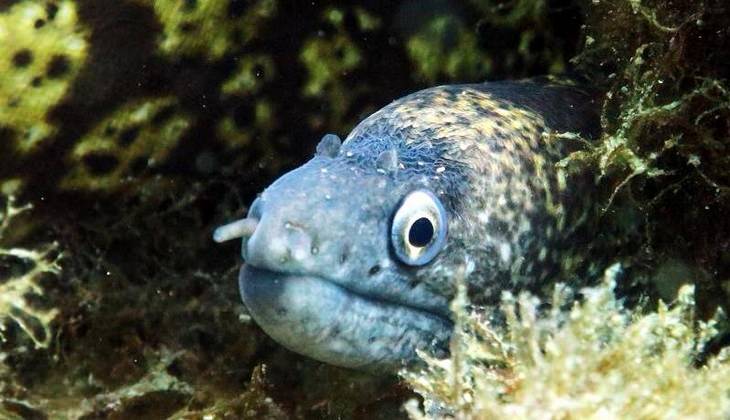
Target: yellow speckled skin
point(521, 220)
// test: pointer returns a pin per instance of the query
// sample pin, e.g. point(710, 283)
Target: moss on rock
point(135, 138)
point(43, 49)
point(209, 27)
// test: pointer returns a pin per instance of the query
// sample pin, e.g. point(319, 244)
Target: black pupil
point(421, 232)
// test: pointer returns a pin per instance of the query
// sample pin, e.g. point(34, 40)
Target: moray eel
point(351, 258)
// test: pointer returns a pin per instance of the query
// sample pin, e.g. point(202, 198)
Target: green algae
point(131, 140)
point(434, 58)
point(595, 358)
point(202, 27)
point(251, 74)
point(331, 58)
point(664, 129)
point(39, 59)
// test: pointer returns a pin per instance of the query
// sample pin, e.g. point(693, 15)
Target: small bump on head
point(387, 161)
point(329, 146)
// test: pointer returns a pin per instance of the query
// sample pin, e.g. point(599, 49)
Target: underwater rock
point(132, 140)
point(44, 48)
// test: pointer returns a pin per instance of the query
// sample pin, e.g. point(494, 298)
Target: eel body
point(352, 258)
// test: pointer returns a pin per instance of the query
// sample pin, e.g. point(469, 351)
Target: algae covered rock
point(44, 48)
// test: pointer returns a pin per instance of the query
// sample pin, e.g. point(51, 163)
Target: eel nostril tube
point(238, 229)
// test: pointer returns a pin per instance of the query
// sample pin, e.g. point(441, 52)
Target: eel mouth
point(325, 321)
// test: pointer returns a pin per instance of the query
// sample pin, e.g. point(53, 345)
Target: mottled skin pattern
point(321, 276)
point(512, 217)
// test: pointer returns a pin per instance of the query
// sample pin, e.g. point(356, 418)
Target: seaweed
point(21, 272)
point(665, 125)
point(580, 359)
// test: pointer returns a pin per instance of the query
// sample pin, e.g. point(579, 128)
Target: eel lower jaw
point(320, 319)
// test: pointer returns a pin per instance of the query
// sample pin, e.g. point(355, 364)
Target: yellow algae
point(595, 359)
point(41, 55)
point(138, 136)
point(208, 27)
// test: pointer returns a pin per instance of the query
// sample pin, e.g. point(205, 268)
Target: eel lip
point(322, 320)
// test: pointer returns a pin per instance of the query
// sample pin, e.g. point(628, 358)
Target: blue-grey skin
point(321, 276)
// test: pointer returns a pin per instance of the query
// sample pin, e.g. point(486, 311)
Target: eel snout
point(242, 228)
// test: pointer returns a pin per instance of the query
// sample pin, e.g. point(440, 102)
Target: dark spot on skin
point(128, 136)
point(344, 256)
point(58, 67)
point(281, 311)
point(374, 270)
point(462, 120)
point(100, 163)
point(488, 113)
point(39, 23)
point(499, 226)
point(22, 58)
point(36, 81)
point(51, 10)
point(371, 340)
point(529, 166)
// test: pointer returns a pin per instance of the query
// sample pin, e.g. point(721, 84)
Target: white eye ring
point(418, 231)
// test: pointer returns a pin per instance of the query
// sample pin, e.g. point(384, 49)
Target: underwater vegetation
point(587, 359)
point(129, 129)
point(666, 121)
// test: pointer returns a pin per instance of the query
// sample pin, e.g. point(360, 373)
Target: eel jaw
point(317, 318)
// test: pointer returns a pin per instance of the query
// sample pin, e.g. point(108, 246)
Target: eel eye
point(418, 231)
